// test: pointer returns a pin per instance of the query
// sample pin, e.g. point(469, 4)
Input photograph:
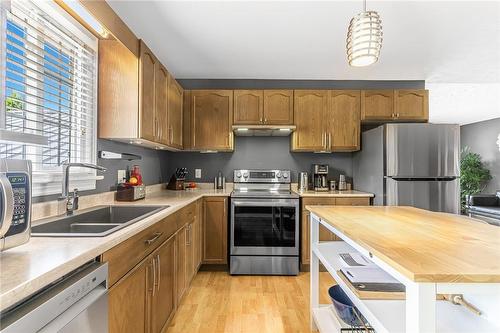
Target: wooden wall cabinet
point(310, 109)
point(278, 107)
point(344, 127)
point(395, 105)
point(263, 107)
point(326, 120)
point(248, 107)
point(411, 105)
point(324, 234)
point(148, 68)
point(211, 120)
point(175, 113)
point(215, 230)
point(139, 101)
point(377, 105)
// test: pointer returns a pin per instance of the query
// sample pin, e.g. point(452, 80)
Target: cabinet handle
point(159, 271)
point(188, 236)
point(330, 141)
point(152, 240)
point(261, 119)
point(397, 115)
point(265, 120)
point(171, 134)
point(154, 275)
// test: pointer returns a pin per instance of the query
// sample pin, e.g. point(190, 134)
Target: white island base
point(419, 312)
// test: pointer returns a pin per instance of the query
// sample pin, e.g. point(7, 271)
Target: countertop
point(28, 268)
point(335, 194)
point(424, 246)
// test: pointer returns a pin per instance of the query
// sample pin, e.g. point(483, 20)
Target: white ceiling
point(436, 41)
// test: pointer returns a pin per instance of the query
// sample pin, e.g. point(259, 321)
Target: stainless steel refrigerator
point(410, 165)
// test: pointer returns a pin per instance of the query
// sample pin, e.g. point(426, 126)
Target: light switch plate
point(121, 176)
point(197, 173)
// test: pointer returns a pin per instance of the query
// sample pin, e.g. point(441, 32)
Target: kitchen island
point(430, 253)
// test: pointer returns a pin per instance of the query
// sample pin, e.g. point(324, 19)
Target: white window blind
point(49, 74)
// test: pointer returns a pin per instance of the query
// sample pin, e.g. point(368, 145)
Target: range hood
point(263, 130)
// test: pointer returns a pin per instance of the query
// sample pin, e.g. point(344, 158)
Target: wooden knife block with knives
point(176, 182)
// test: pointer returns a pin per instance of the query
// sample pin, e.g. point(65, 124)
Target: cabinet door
point(161, 90)
point(377, 105)
point(344, 116)
point(147, 71)
point(175, 113)
point(181, 271)
point(127, 302)
point(212, 119)
point(189, 253)
point(411, 105)
point(248, 107)
point(310, 109)
point(215, 230)
point(163, 301)
point(118, 91)
point(198, 232)
point(278, 107)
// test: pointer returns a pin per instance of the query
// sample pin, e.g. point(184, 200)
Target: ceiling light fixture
point(364, 38)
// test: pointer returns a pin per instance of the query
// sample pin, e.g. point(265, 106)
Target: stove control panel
point(262, 176)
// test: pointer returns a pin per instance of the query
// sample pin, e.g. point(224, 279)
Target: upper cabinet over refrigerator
point(422, 150)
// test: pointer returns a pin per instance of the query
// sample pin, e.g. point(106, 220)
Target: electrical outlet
point(121, 176)
point(197, 173)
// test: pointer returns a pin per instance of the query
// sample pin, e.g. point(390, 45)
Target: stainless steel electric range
point(264, 228)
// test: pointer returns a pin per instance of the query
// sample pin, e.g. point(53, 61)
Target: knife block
point(175, 184)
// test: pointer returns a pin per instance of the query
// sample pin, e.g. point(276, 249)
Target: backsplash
point(257, 153)
point(153, 167)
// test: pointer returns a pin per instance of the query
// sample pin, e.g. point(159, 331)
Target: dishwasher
point(78, 302)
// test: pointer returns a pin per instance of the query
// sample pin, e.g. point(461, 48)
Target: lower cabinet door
point(163, 299)
point(215, 230)
point(180, 269)
point(127, 302)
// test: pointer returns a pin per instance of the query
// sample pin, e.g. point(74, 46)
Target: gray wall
point(257, 153)
point(298, 84)
point(153, 167)
point(481, 137)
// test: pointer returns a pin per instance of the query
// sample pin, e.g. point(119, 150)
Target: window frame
point(49, 182)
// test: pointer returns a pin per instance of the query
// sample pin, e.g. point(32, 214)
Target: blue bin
point(345, 308)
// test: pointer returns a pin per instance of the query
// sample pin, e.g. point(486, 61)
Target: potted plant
point(473, 175)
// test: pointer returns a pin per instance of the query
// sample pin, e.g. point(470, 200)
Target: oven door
point(264, 226)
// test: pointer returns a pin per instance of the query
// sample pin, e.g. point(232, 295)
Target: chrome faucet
point(72, 200)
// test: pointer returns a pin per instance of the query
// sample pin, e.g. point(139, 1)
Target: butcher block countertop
point(424, 246)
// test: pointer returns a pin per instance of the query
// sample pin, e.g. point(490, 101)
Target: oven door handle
point(266, 203)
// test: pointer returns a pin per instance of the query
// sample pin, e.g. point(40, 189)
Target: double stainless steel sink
point(98, 221)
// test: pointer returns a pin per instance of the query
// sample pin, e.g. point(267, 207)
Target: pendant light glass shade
point(364, 39)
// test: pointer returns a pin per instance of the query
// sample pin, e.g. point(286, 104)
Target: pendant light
point(364, 38)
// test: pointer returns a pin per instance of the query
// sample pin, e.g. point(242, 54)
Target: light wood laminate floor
point(218, 302)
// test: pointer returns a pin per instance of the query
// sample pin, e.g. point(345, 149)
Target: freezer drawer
point(435, 195)
point(422, 150)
